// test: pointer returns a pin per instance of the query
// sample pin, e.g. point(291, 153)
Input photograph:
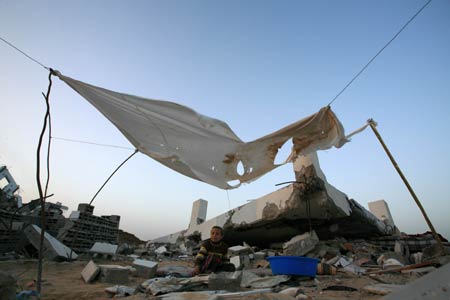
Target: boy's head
point(216, 234)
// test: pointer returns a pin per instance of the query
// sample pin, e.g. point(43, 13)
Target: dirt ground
point(62, 280)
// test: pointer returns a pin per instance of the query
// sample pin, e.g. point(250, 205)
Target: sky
point(258, 66)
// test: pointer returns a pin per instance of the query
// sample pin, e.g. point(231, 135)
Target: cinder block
point(90, 272)
point(145, 268)
point(114, 274)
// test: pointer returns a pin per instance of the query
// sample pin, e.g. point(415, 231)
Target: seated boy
point(212, 256)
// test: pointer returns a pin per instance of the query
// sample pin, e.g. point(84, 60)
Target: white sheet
point(203, 148)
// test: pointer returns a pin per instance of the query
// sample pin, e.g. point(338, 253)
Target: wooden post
point(411, 191)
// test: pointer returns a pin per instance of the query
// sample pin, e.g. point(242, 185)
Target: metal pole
point(411, 191)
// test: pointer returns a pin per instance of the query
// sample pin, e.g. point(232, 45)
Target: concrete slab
point(90, 272)
point(282, 214)
point(104, 248)
point(52, 249)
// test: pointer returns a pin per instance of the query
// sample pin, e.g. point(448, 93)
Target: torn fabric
point(204, 148)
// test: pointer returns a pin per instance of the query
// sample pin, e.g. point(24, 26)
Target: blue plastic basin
point(293, 265)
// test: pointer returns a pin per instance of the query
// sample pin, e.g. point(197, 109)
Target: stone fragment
point(145, 268)
point(301, 244)
point(90, 272)
point(382, 288)
point(114, 274)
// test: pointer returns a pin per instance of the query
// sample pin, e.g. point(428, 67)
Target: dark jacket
point(211, 255)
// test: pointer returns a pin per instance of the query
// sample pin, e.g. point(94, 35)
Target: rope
point(91, 143)
point(135, 151)
point(379, 52)
point(29, 57)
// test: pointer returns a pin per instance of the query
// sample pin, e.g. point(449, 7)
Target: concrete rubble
point(359, 251)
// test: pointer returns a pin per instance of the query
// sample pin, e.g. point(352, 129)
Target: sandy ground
point(63, 281)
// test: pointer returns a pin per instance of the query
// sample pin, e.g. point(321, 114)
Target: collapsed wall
point(308, 203)
point(83, 229)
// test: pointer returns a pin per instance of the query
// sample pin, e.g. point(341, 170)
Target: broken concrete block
point(7, 286)
point(52, 249)
point(240, 261)
point(229, 281)
point(301, 244)
point(145, 268)
point(90, 272)
point(104, 248)
point(237, 250)
point(114, 274)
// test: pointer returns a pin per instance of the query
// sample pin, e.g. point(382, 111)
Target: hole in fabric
point(213, 168)
point(233, 183)
point(240, 168)
point(283, 152)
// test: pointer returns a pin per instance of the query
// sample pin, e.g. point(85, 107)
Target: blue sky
point(257, 65)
